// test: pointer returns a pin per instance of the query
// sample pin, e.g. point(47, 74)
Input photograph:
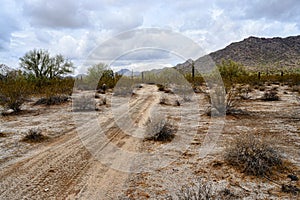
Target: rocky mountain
point(256, 54)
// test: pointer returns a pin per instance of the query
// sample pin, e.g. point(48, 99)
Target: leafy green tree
point(42, 65)
point(230, 71)
point(100, 74)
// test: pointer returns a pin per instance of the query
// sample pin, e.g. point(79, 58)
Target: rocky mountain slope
point(256, 54)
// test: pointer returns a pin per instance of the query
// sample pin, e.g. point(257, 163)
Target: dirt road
point(67, 169)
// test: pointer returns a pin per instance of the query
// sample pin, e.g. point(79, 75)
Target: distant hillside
point(256, 54)
point(127, 72)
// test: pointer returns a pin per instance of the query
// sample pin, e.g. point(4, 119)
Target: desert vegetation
point(248, 152)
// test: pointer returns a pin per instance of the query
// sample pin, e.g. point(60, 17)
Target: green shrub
point(13, 92)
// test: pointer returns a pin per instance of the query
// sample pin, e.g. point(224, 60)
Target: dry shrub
point(53, 100)
point(204, 190)
point(224, 102)
point(271, 95)
point(34, 135)
point(254, 155)
point(159, 129)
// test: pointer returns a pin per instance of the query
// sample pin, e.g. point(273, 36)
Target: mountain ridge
point(255, 54)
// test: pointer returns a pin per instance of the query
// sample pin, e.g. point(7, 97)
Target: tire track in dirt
point(66, 169)
point(109, 184)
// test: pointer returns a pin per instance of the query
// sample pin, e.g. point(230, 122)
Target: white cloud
point(76, 28)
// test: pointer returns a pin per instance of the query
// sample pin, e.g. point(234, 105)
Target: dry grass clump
point(34, 135)
point(271, 95)
point(254, 155)
point(159, 129)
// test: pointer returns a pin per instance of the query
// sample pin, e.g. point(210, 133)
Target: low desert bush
point(159, 129)
point(161, 87)
point(254, 155)
point(203, 190)
point(223, 102)
point(34, 135)
point(53, 100)
point(13, 92)
point(271, 95)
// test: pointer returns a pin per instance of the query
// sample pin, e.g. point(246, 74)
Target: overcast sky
point(76, 28)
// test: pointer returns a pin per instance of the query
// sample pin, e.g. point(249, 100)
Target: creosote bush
point(34, 135)
point(13, 92)
point(254, 155)
point(159, 129)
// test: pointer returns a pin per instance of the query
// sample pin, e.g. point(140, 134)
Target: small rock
point(7, 112)
point(46, 190)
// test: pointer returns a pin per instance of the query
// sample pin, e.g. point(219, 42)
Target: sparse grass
point(34, 136)
point(253, 155)
point(160, 129)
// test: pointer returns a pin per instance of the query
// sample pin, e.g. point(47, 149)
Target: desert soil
point(79, 161)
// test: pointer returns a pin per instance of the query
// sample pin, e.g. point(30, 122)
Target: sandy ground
point(81, 161)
